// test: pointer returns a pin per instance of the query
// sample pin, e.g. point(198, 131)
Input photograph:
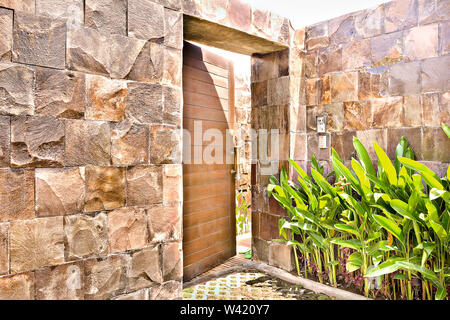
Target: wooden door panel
point(209, 226)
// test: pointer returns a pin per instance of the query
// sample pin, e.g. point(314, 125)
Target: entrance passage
point(209, 223)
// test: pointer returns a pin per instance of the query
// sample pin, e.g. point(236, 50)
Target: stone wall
point(379, 74)
point(90, 142)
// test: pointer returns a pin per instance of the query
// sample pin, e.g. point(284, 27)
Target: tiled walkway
point(247, 285)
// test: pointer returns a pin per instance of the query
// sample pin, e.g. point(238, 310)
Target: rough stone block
point(165, 145)
point(19, 5)
point(39, 40)
point(87, 142)
point(344, 87)
point(85, 236)
point(144, 103)
point(6, 34)
point(172, 261)
point(144, 185)
point(172, 183)
point(325, 89)
point(5, 140)
point(127, 229)
point(373, 83)
point(387, 112)
point(171, 4)
point(430, 107)
point(71, 10)
point(105, 278)
point(400, 15)
point(445, 107)
point(281, 256)
point(88, 51)
point(17, 287)
point(435, 145)
point(259, 93)
point(171, 290)
point(413, 135)
point(278, 91)
point(149, 65)
point(16, 83)
point(240, 14)
point(37, 142)
point(356, 55)
point(126, 55)
point(172, 67)
point(172, 106)
point(145, 268)
point(64, 282)
point(330, 60)
point(164, 223)
point(312, 92)
point(319, 153)
point(413, 111)
point(435, 75)
point(260, 249)
point(342, 143)
point(60, 94)
point(444, 36)
point(145, 20)
point(137, 295)
point(342, 29)
point(387, 48)
point(173, 29)
point(298, 146)
point(404, 79)
point(334, 113)
point(297, 118)
point(4, 248)
point(310, 65)
point(109, 16)
point(105, 188)
point(261, 23)
point(370, 22)
point(367, 137)
point(59, 191)
point(421, 42)
point(106, 98)
point(433, 11)
point(16, 194)
point(129, 143)
point(357, 115)
point(36, 243)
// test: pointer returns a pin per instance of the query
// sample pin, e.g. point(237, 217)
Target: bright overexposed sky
point(306, 12)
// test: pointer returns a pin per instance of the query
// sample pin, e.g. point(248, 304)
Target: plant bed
point(386, 230)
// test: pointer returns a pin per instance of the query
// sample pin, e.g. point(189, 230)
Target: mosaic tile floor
point(249, 286)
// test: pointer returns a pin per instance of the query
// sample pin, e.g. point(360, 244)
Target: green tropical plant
point(243, 217)
point(395, 220)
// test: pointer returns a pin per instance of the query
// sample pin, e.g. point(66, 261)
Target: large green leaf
point(354, 262)
point(299, 170)
point(390, 226)
point(352, 244)
point(386, 267)
point(418, 167)
point(364, 156)
point(403, 209)
point(446, 129)
point(439, 230)
point(400, 151)
point(408, 266)
point(322, 182)
point(347, 228)
point(343, 171)
point(386, 164)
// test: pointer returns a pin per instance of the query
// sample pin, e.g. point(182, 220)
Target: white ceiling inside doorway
point(307, 12)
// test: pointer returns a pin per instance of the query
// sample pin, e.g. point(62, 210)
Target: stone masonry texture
point(91, 175)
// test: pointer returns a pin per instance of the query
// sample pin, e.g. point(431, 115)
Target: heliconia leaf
point(352, 244)
point(386, 267)
point(390, 226)
point(403, 209)
point(299, 170)
point(431, 181)
point(435, 194)
point(441, 293)
point(446, 129)
point(386, 164)
point(427, 273)
point(418, 167)
point(347, 228)
point(343, 171)
point(322, 182)
point(354, 262)
point(364, 156)
point(361, 174)
point(400, 151)
point(439, 230)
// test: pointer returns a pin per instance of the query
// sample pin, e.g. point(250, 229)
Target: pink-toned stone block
point(4, 248)
point(127, 229)
point(6, 34)
point(344, 87)
point(164, 222)
point(16, 194)
point(421, 42)
point(144, 185)
point(400, 14)
point(17, 287)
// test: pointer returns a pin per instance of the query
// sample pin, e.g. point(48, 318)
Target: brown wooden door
point(209, 225)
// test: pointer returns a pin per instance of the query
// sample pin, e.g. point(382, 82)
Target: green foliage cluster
point(391, 225)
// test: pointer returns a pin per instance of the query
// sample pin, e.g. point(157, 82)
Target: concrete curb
point(337, 293)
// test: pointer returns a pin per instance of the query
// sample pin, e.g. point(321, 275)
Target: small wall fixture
point(237, 163)
point(321, 122)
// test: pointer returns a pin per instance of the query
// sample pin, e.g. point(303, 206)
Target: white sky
point(306, 12)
